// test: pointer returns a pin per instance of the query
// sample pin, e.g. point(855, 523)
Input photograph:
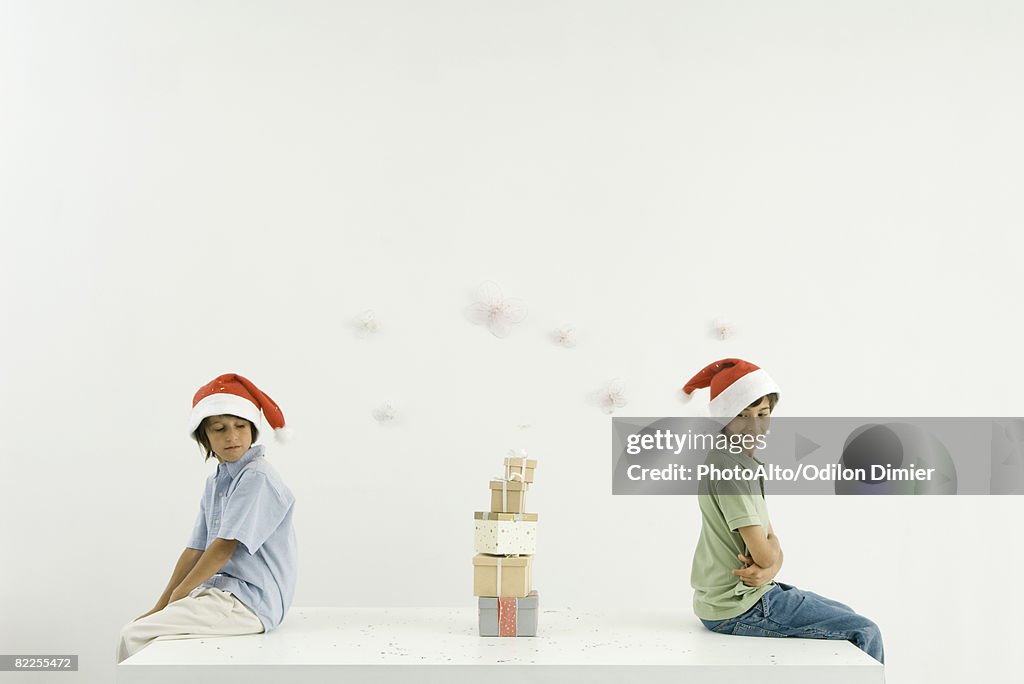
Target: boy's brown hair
point(773, 399)
point(200, 435)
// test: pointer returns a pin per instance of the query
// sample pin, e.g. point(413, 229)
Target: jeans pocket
point(747, 629)
point(720, 626)
point(766, 601)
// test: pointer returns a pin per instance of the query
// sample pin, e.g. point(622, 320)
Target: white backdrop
point(194, 188)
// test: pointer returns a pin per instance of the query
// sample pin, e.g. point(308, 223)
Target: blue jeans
point(786, 611)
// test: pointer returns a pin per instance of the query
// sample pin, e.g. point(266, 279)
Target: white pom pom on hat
point(235, 395)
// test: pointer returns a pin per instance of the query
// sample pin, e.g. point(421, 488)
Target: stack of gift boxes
point(505, 541)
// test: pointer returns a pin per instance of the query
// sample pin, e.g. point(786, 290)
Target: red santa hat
point(735, 384)
point(237, 396)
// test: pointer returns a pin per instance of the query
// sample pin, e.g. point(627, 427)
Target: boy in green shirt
point(738, 555)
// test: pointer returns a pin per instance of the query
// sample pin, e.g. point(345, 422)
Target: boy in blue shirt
point(237, 575)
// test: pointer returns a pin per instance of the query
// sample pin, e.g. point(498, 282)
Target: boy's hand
point(155, 609)
point(751, 574)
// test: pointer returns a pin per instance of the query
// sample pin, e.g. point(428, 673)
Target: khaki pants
point(206, 612)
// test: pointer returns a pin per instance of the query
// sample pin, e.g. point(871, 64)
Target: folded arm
point(765, 559)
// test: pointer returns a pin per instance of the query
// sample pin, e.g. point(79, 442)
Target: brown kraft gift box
point(516, 575)
point(507, 497)
point(519, 469)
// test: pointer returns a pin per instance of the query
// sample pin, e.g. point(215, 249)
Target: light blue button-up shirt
point(247, 500)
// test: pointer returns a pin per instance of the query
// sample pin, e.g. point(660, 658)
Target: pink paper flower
point(494, 311)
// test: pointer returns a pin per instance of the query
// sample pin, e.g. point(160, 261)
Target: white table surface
point(379, 644)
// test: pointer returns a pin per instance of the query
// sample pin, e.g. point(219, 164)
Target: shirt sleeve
point(254, 511)
point(736, 503)
point(198, 538)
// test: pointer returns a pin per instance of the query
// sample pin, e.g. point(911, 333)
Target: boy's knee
point(123, 645)
point(870, 630)
point(127, 631)
point(871, 638)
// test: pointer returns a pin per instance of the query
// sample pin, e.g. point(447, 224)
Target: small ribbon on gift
point(512, 475)
point(508, 617)
point(516, 517)
point(504, 492)
point(499, 559)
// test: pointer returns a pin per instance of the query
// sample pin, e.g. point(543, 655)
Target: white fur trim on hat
point(220, 404)
point(742, 393)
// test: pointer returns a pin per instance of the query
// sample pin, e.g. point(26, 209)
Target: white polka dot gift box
point(505, 534)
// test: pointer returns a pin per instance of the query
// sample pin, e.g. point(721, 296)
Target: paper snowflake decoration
point(722, 327)
point(494, 311)
point(385, 413)
point(610, 397)
point(366, 324)
point(565, 337)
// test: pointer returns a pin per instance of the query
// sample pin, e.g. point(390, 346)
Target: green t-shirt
point(726, 506)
